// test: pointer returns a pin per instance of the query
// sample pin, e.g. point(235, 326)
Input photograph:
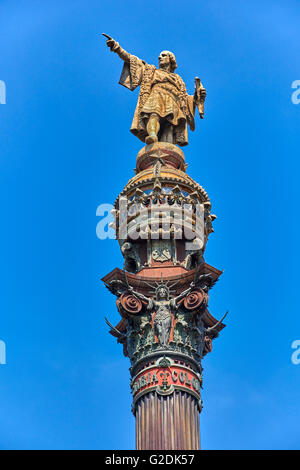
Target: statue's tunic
point(161, 92)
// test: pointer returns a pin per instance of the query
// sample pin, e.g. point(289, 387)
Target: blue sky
point(65, 148)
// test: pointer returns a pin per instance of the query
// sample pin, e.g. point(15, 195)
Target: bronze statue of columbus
point(164, 107)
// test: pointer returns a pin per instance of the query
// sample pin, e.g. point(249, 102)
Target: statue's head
point(166, 60)
point(162, 292)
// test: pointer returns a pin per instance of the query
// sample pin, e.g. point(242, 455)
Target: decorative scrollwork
point(131, 304)
point(194, 300)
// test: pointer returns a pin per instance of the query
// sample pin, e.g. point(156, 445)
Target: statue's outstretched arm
point(115, 47)
point(184, 293)
point(138, 294)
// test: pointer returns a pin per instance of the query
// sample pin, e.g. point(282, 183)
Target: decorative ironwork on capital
point(164, 315)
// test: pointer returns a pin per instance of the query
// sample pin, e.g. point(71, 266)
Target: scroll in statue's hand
point(199, 96)
point(200, 91)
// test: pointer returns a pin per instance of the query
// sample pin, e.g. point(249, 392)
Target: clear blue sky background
point(65, 148)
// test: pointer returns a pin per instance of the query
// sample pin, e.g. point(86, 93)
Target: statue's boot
point(151, 139)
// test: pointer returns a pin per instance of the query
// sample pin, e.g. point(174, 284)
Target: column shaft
point(167, 422)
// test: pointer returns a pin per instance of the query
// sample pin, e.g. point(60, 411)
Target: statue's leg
point(152, 129)
point(167, 133)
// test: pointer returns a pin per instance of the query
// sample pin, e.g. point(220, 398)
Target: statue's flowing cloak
point(177, 107)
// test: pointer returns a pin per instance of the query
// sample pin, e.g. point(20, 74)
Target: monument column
point(162, 296)
point(162, 221)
